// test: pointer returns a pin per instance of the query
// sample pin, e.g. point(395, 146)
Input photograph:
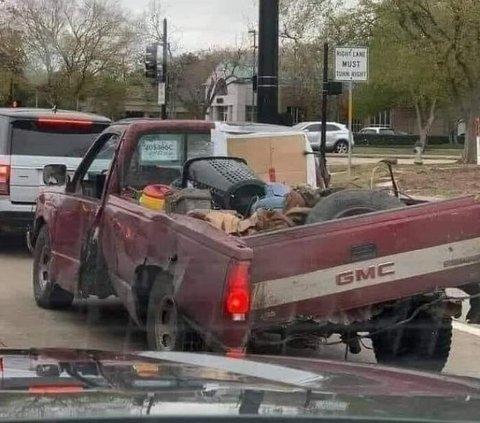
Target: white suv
point(29, 140)
point(337, 135)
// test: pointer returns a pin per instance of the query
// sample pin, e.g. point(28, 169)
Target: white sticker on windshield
point(155, 150)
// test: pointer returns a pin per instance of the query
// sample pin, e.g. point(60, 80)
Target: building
point(236, 102)
point(235, 105)
point(405, 120)
point(229, 93)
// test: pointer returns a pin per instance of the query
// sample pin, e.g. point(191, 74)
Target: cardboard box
point(274, 158)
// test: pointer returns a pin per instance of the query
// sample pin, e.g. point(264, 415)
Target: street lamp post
point(254, 71)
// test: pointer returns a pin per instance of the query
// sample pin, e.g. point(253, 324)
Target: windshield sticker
point(154, 150)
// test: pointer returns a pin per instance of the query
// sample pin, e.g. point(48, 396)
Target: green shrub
point(401, 140)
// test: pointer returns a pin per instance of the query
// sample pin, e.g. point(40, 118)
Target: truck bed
point(321, 269)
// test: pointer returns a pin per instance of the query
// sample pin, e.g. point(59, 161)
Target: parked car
point(337, 135)
point(377, 130)
point(29, 140)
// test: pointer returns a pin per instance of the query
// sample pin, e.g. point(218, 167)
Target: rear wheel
point(46, 292)
point(167, 330)
point(423, 343)
point(341, 147)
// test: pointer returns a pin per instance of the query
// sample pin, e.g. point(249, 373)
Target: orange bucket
point(153, 196)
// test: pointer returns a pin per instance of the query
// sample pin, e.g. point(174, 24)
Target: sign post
point(477, 130)
point(350, 126)
point(351, 65)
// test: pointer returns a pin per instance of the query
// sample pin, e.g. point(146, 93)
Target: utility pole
point(165, 69)
point(254, 71)
point(323, 174)
point(267, 89)
point(323, 139)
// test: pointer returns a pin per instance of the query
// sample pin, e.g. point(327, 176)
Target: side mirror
point(55, 174)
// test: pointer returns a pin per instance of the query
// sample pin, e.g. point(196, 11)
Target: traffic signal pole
point(165, 68)
point(156, 69)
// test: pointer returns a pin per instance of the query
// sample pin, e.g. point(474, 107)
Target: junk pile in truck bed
point(226, 193)
point(297, 205)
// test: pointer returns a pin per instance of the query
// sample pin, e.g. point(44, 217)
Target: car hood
point(72, 383)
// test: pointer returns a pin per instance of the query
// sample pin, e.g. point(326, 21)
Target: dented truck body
point(313, 273)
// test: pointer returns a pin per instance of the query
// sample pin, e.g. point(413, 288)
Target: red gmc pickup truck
point(380, 275)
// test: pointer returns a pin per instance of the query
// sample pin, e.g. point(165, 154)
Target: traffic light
point(151, 62)
point(255, 82)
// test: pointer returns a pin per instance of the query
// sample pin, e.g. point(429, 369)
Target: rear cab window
point(159, 157)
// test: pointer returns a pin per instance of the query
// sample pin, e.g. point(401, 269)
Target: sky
point(202, 24)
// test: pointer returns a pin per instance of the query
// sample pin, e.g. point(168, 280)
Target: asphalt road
point(105, 324)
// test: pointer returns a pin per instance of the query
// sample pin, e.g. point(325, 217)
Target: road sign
point(351, 64)
point(161, 93)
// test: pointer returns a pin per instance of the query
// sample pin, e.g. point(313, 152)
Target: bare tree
point(150, 23)
point(198, 78)
point(74, 41)
point(230, 63)
point(303, 30)
point(304, 21)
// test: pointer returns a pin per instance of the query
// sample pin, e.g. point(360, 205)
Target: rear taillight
point(4, 179)
point(63, 123)
point(237, 298)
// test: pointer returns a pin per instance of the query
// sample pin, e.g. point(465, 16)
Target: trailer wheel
point(352, 202)
point(423, 344)
point(167, 330)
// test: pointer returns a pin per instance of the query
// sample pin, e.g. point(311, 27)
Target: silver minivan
point(31, 139)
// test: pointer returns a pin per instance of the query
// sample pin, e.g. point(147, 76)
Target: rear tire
point(46, 292)
point(422, 344)
point(352, 203)
point(167, 330)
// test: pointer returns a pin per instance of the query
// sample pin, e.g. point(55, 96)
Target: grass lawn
point(429, 181)
point(392, 151)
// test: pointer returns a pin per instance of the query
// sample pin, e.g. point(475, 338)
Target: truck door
point(78, 211)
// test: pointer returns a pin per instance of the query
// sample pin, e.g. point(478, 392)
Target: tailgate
point(26, 175)
point(321, 269)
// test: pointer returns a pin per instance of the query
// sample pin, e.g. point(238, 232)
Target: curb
point(394, 156)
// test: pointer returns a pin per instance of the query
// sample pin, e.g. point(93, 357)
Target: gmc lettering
point(365, 274)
